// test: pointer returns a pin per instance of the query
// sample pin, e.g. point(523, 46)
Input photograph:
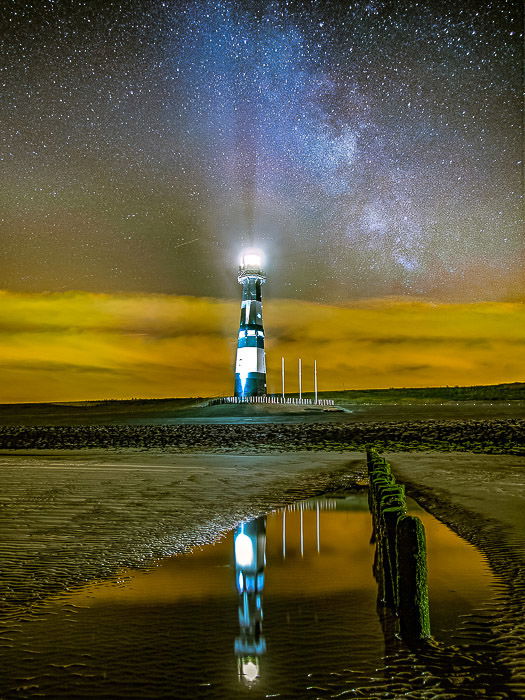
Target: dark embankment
point(489, 436)
point(514, 391)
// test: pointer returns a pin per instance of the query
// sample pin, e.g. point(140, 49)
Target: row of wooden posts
point(400, 565)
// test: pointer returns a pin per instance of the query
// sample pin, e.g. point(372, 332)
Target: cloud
point(80, 346)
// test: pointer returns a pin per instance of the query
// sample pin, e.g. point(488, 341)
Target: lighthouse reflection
point(250, 559)
point(249, 541)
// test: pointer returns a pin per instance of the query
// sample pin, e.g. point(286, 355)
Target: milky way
point(369, 148)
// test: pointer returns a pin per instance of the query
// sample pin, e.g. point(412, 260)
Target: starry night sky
point(370, 148)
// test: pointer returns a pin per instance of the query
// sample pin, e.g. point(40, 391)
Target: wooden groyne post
point(400, 560)
point(414, 617)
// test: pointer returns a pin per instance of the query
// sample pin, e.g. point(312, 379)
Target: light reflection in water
point(250, 559)
point(249, 547)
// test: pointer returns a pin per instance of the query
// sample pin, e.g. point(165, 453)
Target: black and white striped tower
point(250, 365)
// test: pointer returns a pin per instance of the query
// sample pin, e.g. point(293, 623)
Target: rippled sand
point(483, 499)
point(70, 517)
point(169, 631)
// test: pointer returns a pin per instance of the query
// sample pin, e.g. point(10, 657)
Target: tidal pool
point(284, 606)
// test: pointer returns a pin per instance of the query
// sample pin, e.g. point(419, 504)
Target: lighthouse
point(250, 364)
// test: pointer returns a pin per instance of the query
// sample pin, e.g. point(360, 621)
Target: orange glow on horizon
point(76, 346)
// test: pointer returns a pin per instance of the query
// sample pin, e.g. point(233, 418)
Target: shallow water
point(189, 628)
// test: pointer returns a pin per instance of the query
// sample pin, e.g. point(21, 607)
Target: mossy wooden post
point(374, 499)
point(390, 625)
point(414, 620)
point(390, 516)
point(369, 460)
point(376, 468)
point(378, 481)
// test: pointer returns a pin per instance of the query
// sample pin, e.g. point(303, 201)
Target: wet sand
point(177, 630)
point(487, 492)
point(482, 498)
point(74, 516)
point(68, 517)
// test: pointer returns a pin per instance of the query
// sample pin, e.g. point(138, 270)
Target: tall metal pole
point(318, 527)
point(300, 380)
point(302, 529)
point(315, 380)
point(282, 376)
point(284, 534)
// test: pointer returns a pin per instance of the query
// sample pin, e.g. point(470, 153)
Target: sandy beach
point(73, 516)
point(83, 501)
point(69, 517)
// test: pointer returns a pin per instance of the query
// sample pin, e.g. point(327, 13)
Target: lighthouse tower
point(250, 365)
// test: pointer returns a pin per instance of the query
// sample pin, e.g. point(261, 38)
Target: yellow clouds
point(74, 346)
point(77, 345)
point(399, 342)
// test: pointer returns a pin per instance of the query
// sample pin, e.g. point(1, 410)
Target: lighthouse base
point(254, 384)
